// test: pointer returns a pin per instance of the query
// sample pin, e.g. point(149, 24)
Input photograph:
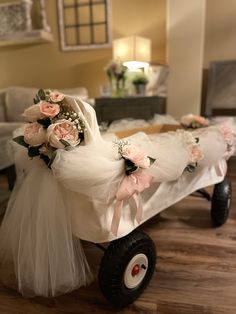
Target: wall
point(220, 42)
point(47, 66)
point(220, 31)
point(185, 29)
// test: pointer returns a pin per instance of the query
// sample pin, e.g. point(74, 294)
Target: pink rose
point(196, 154)
point(49, 110)
point(32, 113)
point(34, 134)
point(201, 120)
point(56, 96)
point(136, 155)
point(62, 130)
point(227, 133)
point(191, 119)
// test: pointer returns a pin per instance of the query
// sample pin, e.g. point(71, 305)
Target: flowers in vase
point(116, 73)
point(52, 124)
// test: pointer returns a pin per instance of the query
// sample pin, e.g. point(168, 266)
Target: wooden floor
point(195, 272)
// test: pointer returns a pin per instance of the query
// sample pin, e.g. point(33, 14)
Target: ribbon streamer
point(130, 186)
point(221, 169)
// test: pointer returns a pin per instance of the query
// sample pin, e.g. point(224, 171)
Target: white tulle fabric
point(36, 232)
point(38, 236)
point(50, 209)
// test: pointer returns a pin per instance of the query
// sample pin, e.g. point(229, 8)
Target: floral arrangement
point(136, 180)
point(230, 139)
point(195, 156)
point(194, 121)
point(116, 73)
point(116, 69)
point(134, 157)
point(52, 124)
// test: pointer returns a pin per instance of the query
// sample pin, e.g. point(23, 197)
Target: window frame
point(62, 27)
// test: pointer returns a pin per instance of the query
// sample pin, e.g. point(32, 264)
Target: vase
point(117, 88)
point(140, 89)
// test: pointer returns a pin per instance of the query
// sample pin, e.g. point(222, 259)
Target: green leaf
point(41, 94)
point(65, 143)
point(20, 140)
point(52, 159)
point(44, 122)
point(36, 99)
point(129, 167)
point(152, 160)
point(191, 167)
point(33, 151)
point(45, 158)
point(81, 136)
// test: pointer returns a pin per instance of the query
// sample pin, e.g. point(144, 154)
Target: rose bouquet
point(52, 124)
point(194, 121)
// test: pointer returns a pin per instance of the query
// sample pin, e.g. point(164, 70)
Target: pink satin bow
point(131, 185)
point(221, 171)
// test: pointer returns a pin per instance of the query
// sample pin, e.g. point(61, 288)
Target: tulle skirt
point(36, 234)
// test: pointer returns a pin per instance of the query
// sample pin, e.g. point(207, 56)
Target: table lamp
point(133, 51)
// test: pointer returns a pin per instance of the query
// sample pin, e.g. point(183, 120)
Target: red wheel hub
point(135, 270)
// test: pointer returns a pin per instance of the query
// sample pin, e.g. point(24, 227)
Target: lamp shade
point(133, 51)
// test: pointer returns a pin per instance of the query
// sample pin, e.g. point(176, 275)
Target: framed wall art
point(15, 17)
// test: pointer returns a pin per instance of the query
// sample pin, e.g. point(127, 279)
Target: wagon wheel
point(126, 268)
point(220, 203)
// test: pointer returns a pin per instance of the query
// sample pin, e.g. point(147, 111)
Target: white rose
point(62, 130)
point(33, 113)
point(34, 134)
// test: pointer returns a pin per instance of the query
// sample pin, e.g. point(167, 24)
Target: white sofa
point(13, 101)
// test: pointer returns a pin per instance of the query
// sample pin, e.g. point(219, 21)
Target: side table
point(110, 109)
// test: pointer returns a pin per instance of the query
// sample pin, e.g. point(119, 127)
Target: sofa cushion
point(6, 133)
point(19, 98)
point(6, 159)
point(2, 106)
point(7, 128)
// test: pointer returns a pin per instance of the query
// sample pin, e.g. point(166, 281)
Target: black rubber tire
point(220, 203)
point(114, 263)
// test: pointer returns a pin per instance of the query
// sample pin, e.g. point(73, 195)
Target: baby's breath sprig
point(67, 113)
point(121, 144)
